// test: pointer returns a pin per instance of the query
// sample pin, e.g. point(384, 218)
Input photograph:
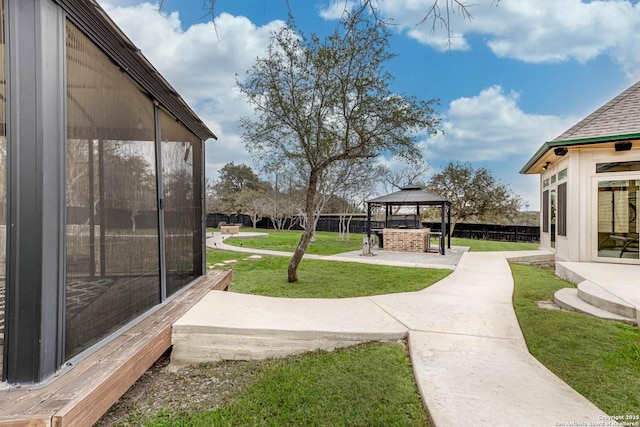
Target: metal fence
point(503, 233)
point(358, 225)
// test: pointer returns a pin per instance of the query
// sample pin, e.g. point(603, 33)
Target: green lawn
point(598, 358)
point(329, 244)
point(493, 246)
point(320, 279)
point(326, 243)
point(366, 385)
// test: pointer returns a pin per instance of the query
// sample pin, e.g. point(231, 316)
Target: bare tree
point(439, 13)
point(321, 102)
point(254, 203)
point(413, 172)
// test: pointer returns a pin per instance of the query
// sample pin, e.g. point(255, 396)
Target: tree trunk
point(454, 221)
point(347, 227)
point(292, 271)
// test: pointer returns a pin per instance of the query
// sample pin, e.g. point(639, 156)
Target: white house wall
point(562, 248)
point(581, 243)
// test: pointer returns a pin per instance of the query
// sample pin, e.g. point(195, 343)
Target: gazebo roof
point(409, 195)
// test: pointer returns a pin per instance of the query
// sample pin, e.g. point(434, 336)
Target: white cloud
point(533, 30)
point(335, 9)
point(491, 127)
point(491, 130)
point(201, 63)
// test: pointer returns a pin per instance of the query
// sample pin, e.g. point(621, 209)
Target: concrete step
point(600, 297)
point(227, 325)
point(568, 299)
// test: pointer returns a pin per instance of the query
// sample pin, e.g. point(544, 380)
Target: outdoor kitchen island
point(406, 240)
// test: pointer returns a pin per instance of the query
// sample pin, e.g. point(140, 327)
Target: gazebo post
point(449, 226)
point(443, 228)
point(369, 223)
point(387, 212)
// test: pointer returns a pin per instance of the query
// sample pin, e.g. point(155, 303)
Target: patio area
point(450, 259)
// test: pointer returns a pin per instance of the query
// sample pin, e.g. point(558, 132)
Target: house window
point(545, 211)
point(553, 217)
point(562, 174)
point(618, 224)
point(633, 166)
point(562, 209)
point(553, 179)
point(545, 183)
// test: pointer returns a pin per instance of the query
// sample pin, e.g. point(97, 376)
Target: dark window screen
point(112, 265)
point(3, 181)
point(562, 209)
point(545, 211)
point(181, 173)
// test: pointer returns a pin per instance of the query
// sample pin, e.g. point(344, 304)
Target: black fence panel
point(504, 233)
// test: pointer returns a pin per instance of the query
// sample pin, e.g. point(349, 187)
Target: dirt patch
point(550, 305)
point(202, 387)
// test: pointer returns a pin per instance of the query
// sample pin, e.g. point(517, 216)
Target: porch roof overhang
point(545, 154)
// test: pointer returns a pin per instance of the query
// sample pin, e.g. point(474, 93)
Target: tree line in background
point(475, 195)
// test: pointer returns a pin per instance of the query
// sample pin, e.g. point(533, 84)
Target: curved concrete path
point(469, 357)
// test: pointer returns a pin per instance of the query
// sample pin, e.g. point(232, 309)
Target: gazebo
point(409, 226)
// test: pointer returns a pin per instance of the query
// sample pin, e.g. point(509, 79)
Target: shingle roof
point(617, 120)
point(409, 195)
point(620, 116)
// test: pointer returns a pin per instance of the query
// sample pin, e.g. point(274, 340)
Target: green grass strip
point(320, 279)
point(598, 358)
point(366, 385)
point(493, 246)
point(326, 243)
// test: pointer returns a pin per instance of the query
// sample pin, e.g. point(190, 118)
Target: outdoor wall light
point(546, 166)
point(560, 151)
point(623, 146)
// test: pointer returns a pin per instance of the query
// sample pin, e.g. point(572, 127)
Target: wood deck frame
point(82, 395)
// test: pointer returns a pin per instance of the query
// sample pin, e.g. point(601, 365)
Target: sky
point(515, 75)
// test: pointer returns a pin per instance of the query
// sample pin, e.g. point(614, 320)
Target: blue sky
point(516, 75)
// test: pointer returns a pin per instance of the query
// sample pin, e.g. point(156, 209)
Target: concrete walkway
point(469, 357)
